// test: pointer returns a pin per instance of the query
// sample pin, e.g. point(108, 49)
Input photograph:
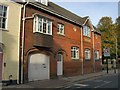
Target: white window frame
point(75, 52)
point(87, 54)
point(86, 31)
point(5, 17)
point(97, 56)
point(61, 30)
point(37, 25)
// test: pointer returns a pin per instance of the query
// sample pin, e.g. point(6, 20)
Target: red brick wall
point(64, 43)
point(97, 39)
point(71, 38)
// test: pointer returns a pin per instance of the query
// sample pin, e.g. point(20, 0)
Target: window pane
point(39, 24)
point(3, 25)
point(61, 29)
point(4, 14)
point(44, 27)
point(3, 20)
point(1, 7)
point(5, 9)
point(49, 27)
point(74, 53)
point(1, 13)
point(87, 54)
point(0, 25)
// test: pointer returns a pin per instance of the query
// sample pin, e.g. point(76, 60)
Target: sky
point(95, 9)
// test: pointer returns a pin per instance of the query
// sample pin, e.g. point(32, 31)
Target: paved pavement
point(59, 83)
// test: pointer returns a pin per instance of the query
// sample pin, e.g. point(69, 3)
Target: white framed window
point(87, 54)
point(3, 17)
point(86, 31)
point(42, 25)
point(61, 29)
point(74, 52)
point(97, 55)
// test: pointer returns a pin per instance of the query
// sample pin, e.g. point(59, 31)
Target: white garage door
point(38, 67)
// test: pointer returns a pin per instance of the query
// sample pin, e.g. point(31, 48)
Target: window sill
point(42, 33)
point(87, 59)
point(75, 59)
point(3, 29)
point(97, 59)
point(87, 36)
point(61, 34)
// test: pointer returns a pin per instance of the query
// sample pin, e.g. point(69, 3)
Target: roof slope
point(52, 7)
point(61, 11)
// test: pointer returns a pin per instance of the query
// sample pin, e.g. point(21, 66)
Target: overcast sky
point(94, 9)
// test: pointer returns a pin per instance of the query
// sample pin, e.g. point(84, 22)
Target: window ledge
point(42, 33)
point(87, 59)
point(87, 36)
point(75, 58)
point(97, 59)
point(3, 29)
point(61, 34)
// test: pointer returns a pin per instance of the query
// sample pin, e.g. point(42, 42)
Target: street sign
point(106, 52)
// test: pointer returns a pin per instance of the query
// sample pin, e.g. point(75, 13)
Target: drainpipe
point(93, 53)
point(82, 50)
point(22, 51)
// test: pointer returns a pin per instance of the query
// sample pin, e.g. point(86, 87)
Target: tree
point(107, 29)
point(117, 23)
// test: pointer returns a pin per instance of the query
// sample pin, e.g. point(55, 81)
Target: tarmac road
point(108, 81)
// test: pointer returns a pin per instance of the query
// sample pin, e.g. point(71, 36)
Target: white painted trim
point(90, 23)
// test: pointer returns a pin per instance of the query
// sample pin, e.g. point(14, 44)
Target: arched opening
point(38, 67)
point(59, 64)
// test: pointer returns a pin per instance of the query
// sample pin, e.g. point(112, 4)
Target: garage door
point(38, 67)
point(1, 60)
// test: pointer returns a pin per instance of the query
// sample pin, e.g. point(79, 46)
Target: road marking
point(82, 85)
point(105, 82)
point(68, 87)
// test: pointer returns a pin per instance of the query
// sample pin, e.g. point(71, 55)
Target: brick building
point(56, 42)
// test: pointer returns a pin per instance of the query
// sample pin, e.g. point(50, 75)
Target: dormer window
point(45, 2)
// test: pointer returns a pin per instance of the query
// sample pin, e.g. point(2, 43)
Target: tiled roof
point(56, 9)
point(62, 12)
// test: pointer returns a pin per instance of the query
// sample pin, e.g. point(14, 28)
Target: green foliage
point(117, 23)
point(109, 33)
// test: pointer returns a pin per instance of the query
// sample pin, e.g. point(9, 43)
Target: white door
point(1, 61)
point(60, 65)
point(38, 67)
